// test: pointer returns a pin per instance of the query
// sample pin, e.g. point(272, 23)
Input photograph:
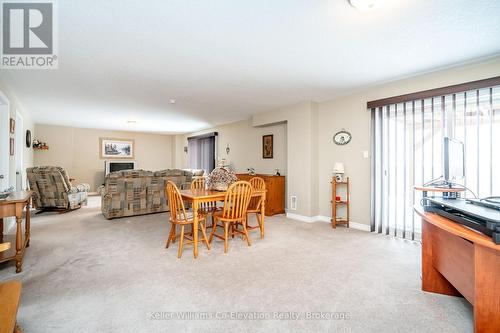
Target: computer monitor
point(454, 160)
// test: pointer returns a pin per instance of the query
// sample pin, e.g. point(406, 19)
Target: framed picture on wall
point(267, 146)
point(116, 148)
point(11, 146)
point(12, 125)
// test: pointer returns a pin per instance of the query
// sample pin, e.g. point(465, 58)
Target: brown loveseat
point(137, 192)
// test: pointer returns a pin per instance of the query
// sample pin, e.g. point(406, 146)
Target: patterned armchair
point(52, 189)
point(137, 192)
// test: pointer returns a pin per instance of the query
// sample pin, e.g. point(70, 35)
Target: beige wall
point(77, 150)
point(350, 113)
point(27, 153)
point(245, 143)
point(15, 107)
point(301, 120)
point(304, 149)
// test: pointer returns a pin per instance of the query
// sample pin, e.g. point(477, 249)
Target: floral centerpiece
point(220, 178)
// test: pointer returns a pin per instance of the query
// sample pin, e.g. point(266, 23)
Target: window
point(407, 147)
point(202, 151)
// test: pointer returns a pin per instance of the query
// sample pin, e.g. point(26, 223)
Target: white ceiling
point(225, 60)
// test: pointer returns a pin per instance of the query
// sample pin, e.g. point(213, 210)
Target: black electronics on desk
point(473, 215)
point(482, 215)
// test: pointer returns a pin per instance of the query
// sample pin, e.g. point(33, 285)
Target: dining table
point(196, 197)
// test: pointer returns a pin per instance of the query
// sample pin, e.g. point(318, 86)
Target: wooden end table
point(13, 205)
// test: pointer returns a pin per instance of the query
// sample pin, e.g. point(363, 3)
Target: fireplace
point(111, 166)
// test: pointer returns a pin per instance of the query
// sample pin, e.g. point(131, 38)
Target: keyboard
point(485, 203)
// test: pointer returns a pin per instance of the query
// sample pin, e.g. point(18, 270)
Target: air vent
point(293, 202)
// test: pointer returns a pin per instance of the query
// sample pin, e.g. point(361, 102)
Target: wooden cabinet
point(275, 196)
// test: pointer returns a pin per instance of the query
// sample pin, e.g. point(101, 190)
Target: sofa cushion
point(169, 173)
point(130, 174)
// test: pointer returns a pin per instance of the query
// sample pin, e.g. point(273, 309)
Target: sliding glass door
point(202, 151)
point(408, 150)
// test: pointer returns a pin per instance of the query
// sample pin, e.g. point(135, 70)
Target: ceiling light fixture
point(363, 4)
point(131, 121)
point(173, 101)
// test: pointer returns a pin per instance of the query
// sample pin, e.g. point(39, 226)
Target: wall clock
point(28, 138)
point(342, 137)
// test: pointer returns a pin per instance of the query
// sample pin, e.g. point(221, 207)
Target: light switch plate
point(366, 154)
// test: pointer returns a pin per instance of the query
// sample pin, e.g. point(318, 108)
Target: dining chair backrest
point(236, 200)
point(258, 184)
point(177, 209)
point(198, 183)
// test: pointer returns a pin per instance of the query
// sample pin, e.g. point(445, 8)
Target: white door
point(4, 141)
point(19, 152)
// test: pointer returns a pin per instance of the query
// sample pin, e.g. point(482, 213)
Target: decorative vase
point(220, 179)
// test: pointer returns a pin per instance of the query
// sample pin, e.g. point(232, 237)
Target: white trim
point(4, 140)
point(301, 218)
point(322, 218)
point(359, 226)
point(19, 153)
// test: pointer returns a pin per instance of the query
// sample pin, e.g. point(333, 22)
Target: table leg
point(19, 245)
point(1, 228)
point(486, 295)
point(262, 214)
point(28, 220)
point(432, 280)
point(195, 228)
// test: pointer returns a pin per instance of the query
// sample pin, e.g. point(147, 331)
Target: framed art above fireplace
point(116, 148)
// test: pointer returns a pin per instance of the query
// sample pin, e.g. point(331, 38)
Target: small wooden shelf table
point(335, 219)
point(13, 205)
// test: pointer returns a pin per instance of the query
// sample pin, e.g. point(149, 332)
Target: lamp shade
point(338, 167)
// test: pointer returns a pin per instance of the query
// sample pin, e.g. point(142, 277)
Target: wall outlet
point(293, 202)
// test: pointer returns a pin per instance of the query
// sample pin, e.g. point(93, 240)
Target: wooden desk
point(459, 261)
point(13, 205)
point(195, 197)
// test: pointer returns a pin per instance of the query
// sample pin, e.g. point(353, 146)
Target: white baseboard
point(302, 218)
point(359, 226)
point(322, 218)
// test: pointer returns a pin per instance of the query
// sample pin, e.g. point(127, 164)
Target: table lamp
point(338, 171)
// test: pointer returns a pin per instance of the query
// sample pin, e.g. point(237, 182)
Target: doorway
point(4, 141)
point(19, 153)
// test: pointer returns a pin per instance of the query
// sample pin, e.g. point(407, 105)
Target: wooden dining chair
point(180, 217)
point(236, 202)
point(10, 294)
point(198, 183)
point(207, 208)
point(254, 207)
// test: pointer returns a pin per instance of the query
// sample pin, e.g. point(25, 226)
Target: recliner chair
point(52, 189)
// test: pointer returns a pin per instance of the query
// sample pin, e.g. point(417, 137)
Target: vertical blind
point(407, 146)
point(202, 152)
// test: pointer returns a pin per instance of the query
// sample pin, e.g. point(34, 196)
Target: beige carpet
point(83, 273)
